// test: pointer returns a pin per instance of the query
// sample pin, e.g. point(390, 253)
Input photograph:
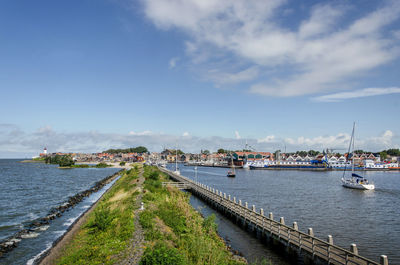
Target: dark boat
point(231, 174)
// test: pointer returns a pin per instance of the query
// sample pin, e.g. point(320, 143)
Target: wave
point(32, 260)
point(32, 216)
point(30, 235)
point(43, 228)
point(70, 221)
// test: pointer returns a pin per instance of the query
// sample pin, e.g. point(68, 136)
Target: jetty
point(297, 244)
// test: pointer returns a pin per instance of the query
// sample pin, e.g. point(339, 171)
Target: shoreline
point(54, 252)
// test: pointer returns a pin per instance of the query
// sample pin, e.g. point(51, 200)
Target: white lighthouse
point(45, 151)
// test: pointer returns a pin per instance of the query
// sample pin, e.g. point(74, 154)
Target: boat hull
point(348, 183)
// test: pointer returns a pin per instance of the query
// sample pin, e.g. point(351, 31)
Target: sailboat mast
point(176, 159)
point(352, 137)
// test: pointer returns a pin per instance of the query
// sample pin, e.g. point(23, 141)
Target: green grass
point(175, 233)
point(109, 227)
point(174, 230)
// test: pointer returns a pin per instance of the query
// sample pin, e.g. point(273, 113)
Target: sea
point(313, 199)
point(28, 191)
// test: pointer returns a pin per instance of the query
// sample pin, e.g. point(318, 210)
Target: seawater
point(29, 190)
point(314, 199)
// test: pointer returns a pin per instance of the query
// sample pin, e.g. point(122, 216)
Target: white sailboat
point(176, 163)
point(356, 181)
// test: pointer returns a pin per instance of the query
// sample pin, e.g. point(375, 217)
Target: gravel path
point(136, 248)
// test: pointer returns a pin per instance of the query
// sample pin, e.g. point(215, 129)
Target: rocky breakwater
point(11, 242)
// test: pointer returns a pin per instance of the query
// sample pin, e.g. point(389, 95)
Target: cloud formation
point(237, 135)
point(14, 142)
point(334, 44)
point(172, 62)
point(366, 92)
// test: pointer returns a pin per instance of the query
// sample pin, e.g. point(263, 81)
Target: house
point(333, 159)
point(290, 158)
point(240, 157)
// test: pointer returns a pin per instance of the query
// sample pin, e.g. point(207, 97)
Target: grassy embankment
point(99, 165)
point(109, 227)
point(175, 232)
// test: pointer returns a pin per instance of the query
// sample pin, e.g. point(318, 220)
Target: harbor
point(320, 202)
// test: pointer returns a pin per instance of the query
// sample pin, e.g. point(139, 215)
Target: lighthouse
point(45, 151)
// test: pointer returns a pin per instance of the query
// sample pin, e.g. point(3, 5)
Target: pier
point(296, 243)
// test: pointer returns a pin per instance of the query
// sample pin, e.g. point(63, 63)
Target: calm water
point(316, 199)
point(29, 190)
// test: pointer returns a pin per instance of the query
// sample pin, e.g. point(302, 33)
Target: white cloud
point(221, 78)
point(186, 134)
point(366, 92)
point(141, 133)
point(318, 54)
point(29, 144)
point(268, 139)
point(340, 140)
point(172, 62)
point(237, 135)
point(322, 20)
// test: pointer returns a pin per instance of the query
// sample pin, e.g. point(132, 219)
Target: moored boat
point(231, 173)
point(356, 181)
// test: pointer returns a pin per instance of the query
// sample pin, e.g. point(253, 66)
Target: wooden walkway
point(295, 241)
point(179, 185)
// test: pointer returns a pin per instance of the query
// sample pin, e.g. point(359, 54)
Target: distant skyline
point(86, 76)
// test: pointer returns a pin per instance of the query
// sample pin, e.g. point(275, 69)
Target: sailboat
point(177, 172)
point(231, 173)
point(247, 163)
point(356, 181)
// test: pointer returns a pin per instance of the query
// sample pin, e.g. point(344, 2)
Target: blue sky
point(89, 75)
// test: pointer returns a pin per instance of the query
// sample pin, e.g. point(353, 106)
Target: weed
point(161, 254)
point(209, 224)
point(102, 219)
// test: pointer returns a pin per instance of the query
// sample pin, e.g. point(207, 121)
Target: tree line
point(61, 160)
point(139, 149)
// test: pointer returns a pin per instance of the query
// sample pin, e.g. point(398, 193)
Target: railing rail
point(325, 250)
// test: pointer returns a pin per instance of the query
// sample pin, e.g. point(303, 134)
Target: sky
point(89, 75)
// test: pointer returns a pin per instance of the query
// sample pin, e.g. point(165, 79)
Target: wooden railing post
point(353, 248)
point(311, 234)
point(330, 242)
point(271, 217)
point(384, 260)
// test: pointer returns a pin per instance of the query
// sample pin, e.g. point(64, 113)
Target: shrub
point(122, 163)
point(173, 218)
point(154, 175)
point(146, 219)
point(209, 223)
point(161, 254)
point(102, 219)
point(102, 165)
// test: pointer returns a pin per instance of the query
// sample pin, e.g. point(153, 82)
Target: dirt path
point(136, 247)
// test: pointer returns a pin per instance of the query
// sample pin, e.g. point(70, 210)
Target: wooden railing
point(290, 235)
point(178, 185)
